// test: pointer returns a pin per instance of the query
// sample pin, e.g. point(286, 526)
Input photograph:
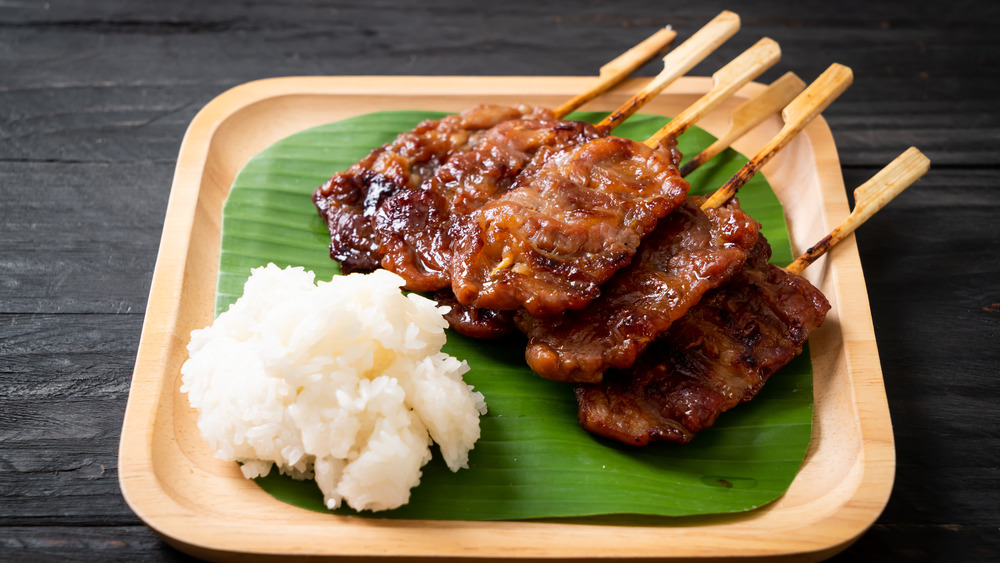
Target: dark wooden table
point(95, 98)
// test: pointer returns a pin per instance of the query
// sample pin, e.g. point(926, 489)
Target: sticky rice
point(343, 382)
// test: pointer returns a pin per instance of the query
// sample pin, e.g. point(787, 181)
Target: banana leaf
point(533, 461)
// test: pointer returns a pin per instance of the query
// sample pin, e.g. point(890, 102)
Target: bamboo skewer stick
point(726, 81)
point(678, 62)
point(869, 197)
point(620, 68)
point(803, 109)
point(748, 115)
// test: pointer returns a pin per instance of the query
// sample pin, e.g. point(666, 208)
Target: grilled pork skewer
point(686, 256)
point(723, 351)
point(414, 228)
point(703, 252)
point(348, 201)
point(571, 220)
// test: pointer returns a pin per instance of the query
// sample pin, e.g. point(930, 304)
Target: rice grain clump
point(341, 381)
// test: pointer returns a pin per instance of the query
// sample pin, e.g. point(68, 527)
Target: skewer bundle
point(591, 244)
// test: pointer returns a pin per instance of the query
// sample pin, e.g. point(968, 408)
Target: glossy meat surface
point(349, 201)
point(414, 227)
point(690, 252)
point(718, 355)
point(565, 227)
point(477, 323)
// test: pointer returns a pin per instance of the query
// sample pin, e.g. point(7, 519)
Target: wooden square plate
point(205, 507)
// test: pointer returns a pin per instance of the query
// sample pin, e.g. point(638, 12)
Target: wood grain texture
point(95, 97)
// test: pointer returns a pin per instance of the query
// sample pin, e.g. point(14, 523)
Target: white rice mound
point(342, 381)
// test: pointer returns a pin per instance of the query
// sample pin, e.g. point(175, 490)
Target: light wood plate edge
point(805, 524)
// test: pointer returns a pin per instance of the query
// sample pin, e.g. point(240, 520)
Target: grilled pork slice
point(349, 200)
point(690, 252)
point(565, 227)
point(414, 227)
point(718, 355)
